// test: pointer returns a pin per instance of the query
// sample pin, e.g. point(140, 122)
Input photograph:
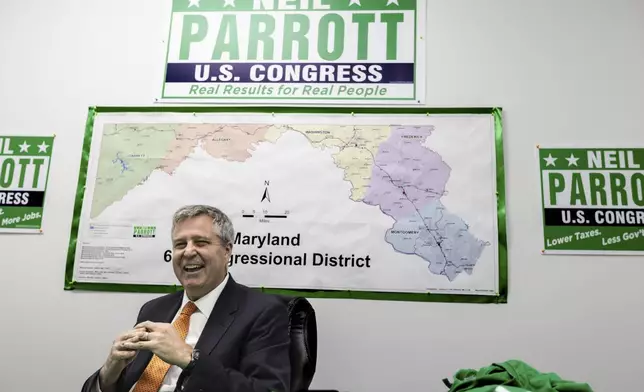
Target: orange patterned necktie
point(154, 373)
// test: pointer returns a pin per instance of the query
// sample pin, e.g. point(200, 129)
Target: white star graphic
point(572, 161)
point(24, 147)
point(193, 3)
point(230, 3)
point(390, 2)
point(356, 2)
point(550, 160)
point(43, 147)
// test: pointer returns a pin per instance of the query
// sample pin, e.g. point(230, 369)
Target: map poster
point(312, 51)
point(382, 203)
point(593, 200)
point(24, 170)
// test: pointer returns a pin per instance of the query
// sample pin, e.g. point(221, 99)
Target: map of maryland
point(388, 167)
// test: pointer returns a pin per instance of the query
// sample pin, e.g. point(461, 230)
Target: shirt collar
point(206, 303)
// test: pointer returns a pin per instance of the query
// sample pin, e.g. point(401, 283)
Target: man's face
point(199, 256)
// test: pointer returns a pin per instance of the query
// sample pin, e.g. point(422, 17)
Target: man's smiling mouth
point(192, 267)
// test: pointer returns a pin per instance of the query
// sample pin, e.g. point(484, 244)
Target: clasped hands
point(162, 339)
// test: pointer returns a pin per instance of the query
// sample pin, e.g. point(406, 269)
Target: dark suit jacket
point(244, 346)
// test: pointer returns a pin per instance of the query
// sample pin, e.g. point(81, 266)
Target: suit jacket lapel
point(221, 317)
point(163, 313)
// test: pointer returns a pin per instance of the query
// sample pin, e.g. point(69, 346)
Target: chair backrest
point(304, 342)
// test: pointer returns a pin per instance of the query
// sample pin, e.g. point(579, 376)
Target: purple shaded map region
point(439, 237)
point(407, 182)
point(406, 175)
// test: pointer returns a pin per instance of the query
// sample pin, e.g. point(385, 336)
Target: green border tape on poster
point(496, 112)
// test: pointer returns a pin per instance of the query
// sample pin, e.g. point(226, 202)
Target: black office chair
point(304, 343)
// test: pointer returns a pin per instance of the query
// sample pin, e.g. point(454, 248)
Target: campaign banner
point(305, 51)
point(593, 200)
point(24, 169)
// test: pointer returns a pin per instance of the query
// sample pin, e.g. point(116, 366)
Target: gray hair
point(220, 220)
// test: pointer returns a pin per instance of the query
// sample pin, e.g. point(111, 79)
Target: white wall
point(560, 75)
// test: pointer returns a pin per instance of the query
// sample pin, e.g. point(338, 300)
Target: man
point(240, 336)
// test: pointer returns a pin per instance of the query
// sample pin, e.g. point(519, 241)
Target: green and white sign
point(593, 200)
point(24, 169)
point(296, 51)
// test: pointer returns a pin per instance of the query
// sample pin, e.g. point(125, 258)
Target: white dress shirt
point(198, 321)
